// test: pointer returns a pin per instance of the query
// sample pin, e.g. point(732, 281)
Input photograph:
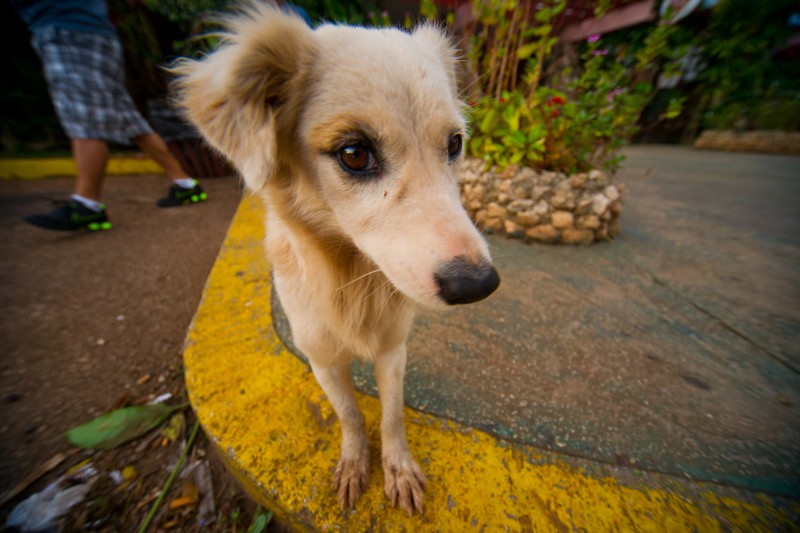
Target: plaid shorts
point(85, 73)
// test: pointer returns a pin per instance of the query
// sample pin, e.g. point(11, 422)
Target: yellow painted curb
point(38, 168)
point(264, 411)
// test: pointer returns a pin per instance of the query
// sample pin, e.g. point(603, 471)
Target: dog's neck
point(309, 250)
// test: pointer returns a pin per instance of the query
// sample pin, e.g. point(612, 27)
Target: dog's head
point(361, 129)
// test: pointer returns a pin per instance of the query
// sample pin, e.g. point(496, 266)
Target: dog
point(352, 137)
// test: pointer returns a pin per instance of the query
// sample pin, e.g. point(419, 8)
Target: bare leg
point(155, 147)
point(91, 156)
point(403, 478)
point(352, 472)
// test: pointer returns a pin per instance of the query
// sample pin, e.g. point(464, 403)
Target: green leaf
point(261, 518)
point(525, 51)
point(511, 116)
point(488, 119)
point(109, 430)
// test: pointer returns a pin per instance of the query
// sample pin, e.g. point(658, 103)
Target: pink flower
point(613, 94)
point(601, 52)
point(594, 38)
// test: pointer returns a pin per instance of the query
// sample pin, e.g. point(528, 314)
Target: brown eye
point(454, 146)
point(357, 158)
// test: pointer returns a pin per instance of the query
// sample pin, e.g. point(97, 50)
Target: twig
point(170, 479)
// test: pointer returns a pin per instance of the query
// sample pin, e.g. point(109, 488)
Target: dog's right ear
point(233, 94)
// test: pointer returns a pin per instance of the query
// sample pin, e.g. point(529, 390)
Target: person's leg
point(155, 147)
point(91, 156)
point(185, 190)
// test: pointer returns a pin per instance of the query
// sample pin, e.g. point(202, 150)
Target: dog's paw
point(350, 480)
point(404, 483)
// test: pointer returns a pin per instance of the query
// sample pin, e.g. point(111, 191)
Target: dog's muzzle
point(463, 282)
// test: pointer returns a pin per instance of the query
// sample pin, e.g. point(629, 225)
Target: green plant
point(743, 85)
point(525, 120)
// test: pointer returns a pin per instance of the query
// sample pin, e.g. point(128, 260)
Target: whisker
point(359, 278)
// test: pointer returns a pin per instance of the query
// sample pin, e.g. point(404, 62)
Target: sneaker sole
point(196, 198)
point(98, 226)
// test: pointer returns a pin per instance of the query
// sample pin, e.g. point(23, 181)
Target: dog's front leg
point(403, 478)
point(352, 472)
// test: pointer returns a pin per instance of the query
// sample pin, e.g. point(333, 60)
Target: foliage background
point(535, 100)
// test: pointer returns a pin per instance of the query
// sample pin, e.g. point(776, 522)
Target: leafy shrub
point(572, 120)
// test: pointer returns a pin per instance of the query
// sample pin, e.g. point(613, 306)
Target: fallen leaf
point(109, 430)
point(183, 501)
point(174, 429)
point(261, 518)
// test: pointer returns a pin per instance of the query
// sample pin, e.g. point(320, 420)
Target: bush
point(570, 120)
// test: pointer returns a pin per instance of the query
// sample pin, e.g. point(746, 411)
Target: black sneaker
point(178, 195)
point(71, 216)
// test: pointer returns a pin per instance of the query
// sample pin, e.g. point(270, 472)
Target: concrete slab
point(585, 394)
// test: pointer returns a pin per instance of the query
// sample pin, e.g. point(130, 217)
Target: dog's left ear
point(235, 93)
point(436, 39)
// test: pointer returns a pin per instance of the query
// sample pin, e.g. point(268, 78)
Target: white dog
point(352, 136)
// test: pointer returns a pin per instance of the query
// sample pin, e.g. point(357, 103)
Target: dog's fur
point(351, 253)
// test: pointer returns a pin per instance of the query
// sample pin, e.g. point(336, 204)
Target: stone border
point(769, 142)
point(549, 207)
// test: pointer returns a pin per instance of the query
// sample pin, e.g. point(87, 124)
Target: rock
point(576, 209)
point(577, 236)
point(563, 199)
point(495, 224)
point(539, 191)
point(584, 206)
point(611, 193)
point(509, 172)
point(512, 229)
point(495, 210)
point(578, 181)
point(561, 219)
point(598, 176)
point(589, 222)
point(527, 218)
point(541, 208)
point(599, 204)
point(520, 205)
point(526, 174)
point(548, 178)
point(480, 217)
point(543, 233)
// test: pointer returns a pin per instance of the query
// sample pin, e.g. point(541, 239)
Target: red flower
point(554, 114)
point(559, 100)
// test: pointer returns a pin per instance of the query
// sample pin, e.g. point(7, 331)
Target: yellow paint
point(36, 168)
point(263, 409)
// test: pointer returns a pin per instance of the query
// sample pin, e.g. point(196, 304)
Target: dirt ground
point(92, 322)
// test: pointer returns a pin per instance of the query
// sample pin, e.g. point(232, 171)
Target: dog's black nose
point(462, 282)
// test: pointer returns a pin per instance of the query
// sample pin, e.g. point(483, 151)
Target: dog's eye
point(357, 158)
point(454, 146)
